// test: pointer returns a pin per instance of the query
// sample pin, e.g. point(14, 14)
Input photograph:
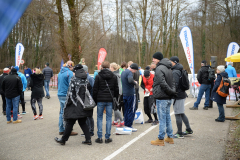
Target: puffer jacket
point(100, 89)
point(36, 84)
point(215, 96)
point(72, 111)
point(164, 84)
point(202, 75)
point(177, 72)
point(48, 73)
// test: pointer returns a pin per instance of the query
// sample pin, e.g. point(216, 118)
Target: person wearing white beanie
point(231, 70)
point(216, 97)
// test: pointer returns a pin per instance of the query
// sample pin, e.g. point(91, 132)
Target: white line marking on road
point(133, 140)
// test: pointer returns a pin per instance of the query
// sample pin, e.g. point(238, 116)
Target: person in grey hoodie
point(48, 74)
point(179, 100)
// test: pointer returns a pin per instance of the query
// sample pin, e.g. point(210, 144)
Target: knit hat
point(174, 59)
point(17, 68)
point(6, 70)
point(147, 68)
point(134, 66)
point(204, 62)
point(158, 55)
point(146, 73)
point(221, 68)
point(85, 68)
point(230, 63)
point(47, 64)
point(77, 67)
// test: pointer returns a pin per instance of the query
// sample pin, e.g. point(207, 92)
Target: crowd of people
point(114, 88)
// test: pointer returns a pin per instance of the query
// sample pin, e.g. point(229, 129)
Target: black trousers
point(147, 108)
point(22, 102)
point(210, 101)
point(121, 106)
point(69, 127)
point(90, 124)
point(4, 102)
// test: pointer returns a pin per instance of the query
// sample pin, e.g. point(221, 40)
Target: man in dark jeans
point(202, 77)
point(5, 73)
point(48, 74)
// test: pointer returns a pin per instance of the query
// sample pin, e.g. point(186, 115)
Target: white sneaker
point(134, 130)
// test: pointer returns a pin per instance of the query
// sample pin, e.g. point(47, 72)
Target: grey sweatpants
point(39, 101)
point(118, 115)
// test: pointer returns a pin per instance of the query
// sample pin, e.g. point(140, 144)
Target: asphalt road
point(34, 139)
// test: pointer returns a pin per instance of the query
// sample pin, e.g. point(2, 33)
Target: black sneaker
point(59, 140)
point(149, 121)
point(205, 108)
point(193, 108)
point(178, 136)
point(217, 120)
point(99, 140)
point(88, 142)
point(187, 132)
point(155, 123)
point(108, 140)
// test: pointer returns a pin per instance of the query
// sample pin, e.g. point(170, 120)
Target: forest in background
point(128, 30)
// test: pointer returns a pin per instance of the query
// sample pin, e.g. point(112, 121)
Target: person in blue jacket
point(231, 70)
point(27, 73)
point(24, 82)
point(64, 78)
point(216, 97)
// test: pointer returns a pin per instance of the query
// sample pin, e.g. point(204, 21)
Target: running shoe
point(178, 136)
point(121, 124)
point(187, 132)
point(35, 117)
point(19, 116)
point(134, 130)
point(40, 117)
point(23, 112)
point(114, 123)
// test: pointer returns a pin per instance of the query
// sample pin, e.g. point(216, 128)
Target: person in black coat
point(36, 84)
point(102, 96)
point(216, 97)
point(5, 73)
point(73, 109)
point(179, 100)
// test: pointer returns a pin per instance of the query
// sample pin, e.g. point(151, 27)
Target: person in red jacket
point(148, 102)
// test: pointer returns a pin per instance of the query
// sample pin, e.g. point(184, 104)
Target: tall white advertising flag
point(18, 54)
point(233, 48)
point(186, 39)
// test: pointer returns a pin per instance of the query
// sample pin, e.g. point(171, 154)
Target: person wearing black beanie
point(164, 90)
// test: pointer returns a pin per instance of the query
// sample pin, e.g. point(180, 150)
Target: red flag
point(101, 56)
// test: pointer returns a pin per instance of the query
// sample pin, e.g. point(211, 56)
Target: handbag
point(88, 103)
point(115, 102)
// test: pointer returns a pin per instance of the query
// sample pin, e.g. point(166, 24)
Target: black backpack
point(184, 81)
point(211, 74)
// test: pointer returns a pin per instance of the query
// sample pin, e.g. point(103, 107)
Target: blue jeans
point(203, 88)
point(163, 111)
point(12, 102)
point(221, 112)
point(46, 86)
point(28, 82)
point(62, 101)
point(100, 109)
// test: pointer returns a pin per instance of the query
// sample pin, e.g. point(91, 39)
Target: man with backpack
point(203, 79)
point(182, 84)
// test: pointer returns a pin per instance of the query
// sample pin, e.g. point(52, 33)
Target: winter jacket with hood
point(1, 80)
point(177, 72)
point(215, 96)
point(12, 85)
point(73, 108)
point(202, 75)
point(64, 77)
point(164, 84)
point(36, 84)
point(100, 89)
